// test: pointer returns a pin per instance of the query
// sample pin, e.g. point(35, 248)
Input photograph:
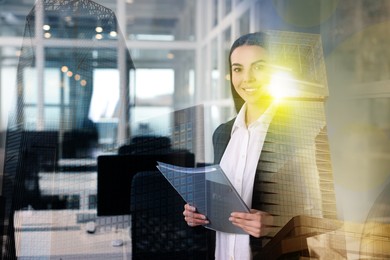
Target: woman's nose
point(248, 77)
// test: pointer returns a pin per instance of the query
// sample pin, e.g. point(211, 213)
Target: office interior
point(157, 58)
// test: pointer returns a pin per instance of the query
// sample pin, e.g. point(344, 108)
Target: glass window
point(215, 73)
point(13, 17)
point(30, 86)
point(228, 6)
point(52, 86)
point(30, 117)
point(244, 23)
point(103, 102)
point(161, 21)
point(65, 84)
point(215, 12)
point(191, 82)
point(52, 114)
point(7, 93)
point(149, 119)
point(154, 86)
point(226, 44)
point(170, 77)
point(204, 73)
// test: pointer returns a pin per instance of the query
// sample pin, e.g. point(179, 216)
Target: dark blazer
point(290, 176)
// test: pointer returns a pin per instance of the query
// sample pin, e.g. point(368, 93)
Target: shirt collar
point(265, 118)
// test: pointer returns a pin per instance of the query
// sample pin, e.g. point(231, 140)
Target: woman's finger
point(192, 218)
point(189, 207)
point(257, 223)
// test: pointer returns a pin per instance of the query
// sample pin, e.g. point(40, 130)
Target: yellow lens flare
point(282, 85)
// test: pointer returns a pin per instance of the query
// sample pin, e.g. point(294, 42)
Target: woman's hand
point(256, 223)
point(192, 218)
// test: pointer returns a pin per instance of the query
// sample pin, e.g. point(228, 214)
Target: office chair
point(148, 144)
point(158, 228)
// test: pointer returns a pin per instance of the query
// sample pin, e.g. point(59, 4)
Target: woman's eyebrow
point(253, 63)
point(259, 61)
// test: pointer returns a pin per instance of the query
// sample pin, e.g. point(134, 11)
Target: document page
point(210, 191)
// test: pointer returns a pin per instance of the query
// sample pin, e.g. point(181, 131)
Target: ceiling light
point(46, 27)
point(170, 56)
point(98, 29)
point(64, 69)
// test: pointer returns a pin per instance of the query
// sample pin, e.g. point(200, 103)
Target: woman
point(268, 153)
point(249, 74)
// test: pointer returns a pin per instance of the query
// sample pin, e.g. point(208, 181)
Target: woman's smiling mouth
point(250, 89)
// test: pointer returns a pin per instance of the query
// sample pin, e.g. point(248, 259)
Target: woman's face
point(250, 73)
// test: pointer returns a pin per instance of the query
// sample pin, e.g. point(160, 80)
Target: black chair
point(116, 172)
point(147, 144)
point(158, 227)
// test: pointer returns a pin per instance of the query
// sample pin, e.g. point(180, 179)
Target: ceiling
point(142, 16)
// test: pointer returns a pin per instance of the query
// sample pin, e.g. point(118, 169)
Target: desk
point(57, 235)
point(77, 164)
point(74, 162)
point(83, 184)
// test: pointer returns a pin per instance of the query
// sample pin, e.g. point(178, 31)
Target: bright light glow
point(282, 85)
point(69, 74)
point(46, 27)
point(99, 36)
point(98, 29)
point(113, 33)
point(47, 35)
point(77, 77)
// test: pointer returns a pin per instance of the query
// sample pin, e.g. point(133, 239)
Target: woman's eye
point(258, 67)
point(236, 69)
